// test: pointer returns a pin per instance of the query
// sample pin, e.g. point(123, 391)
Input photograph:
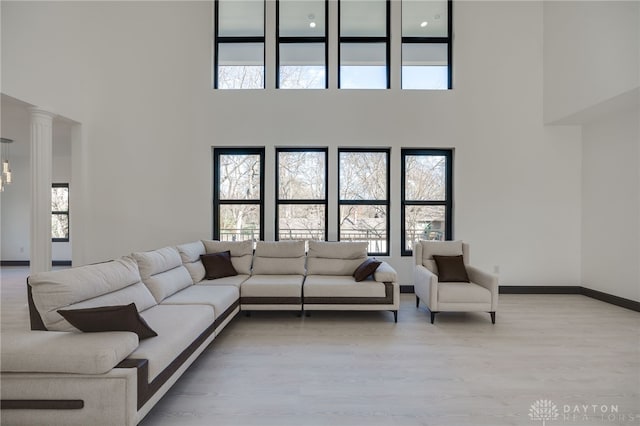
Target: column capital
point(42, 112)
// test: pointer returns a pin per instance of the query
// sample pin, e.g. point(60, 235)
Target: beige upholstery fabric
point(153, 262)
point(338, 250)
point(385, 273)
point(280, 248)
point(272, 286)
point(109, 399)
point(190, 254)
point(341, 286)
point(335, 258)
point(116, 282)
point(65, 352)
point(279, 258)
point(162, 272)
point(241, 253)
point(235, 281)
point(321, 266)
point(467, 292)
point(177, 327)
point(220, 297)
point(425, 250)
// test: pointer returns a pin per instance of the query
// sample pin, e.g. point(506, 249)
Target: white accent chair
point(478, 295)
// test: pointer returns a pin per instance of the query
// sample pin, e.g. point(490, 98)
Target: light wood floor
point(360, 368)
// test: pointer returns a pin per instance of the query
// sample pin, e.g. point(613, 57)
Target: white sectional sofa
point(55, 374)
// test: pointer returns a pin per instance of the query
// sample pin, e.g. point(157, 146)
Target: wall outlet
point(496, 269)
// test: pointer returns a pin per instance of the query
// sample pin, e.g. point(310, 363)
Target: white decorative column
point(41, 175)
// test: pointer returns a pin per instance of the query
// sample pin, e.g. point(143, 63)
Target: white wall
point(591, 54)
point(611, 205)
point(138, 76)
point(16, 199)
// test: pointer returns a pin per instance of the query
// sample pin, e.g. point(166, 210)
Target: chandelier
point(5, 176)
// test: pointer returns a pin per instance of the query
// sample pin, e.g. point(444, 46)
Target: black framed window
point(238, 194)
point(364, 44)
point(363, 205)
point(427, 196)
point(60, 212)
point(239, 46)
point(302, 52)
point(301, 198)
point(426, 44)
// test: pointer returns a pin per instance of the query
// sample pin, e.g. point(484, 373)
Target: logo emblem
point(543, 410)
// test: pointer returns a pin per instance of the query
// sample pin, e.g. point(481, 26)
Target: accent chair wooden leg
point(417, 302)
point(493, 317)
point(433, 316)
point(395, 316)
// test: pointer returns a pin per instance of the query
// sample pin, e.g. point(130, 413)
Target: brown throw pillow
point(109, 318)
point(451, 269)
point(218, 265)
point(365, 269)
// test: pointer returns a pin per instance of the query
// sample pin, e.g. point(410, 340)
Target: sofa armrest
point(486, 280)
point(425, 285)
point(385, 273)
point(65, 352)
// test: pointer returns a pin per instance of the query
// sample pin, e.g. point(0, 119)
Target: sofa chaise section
point(143, 371)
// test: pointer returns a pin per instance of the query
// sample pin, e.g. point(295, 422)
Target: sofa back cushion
point(117, 282)
point(190, 254)
point(279, 258)
point(162, 272)
point(241, 253)
point(335, 258)
point(426, 249)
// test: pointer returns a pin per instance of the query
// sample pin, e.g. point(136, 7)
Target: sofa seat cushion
point(341, 286)
point(116, 282)
point(177, 327)
point(235, 281)
point(162, 272)
point(454, 292)
point(220, 298)
point(65, 352)
point(272, 286)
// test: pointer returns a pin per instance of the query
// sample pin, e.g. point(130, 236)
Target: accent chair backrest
point(423, 251)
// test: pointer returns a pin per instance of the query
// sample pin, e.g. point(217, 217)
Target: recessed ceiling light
point(312, 24)
point(424, 24)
